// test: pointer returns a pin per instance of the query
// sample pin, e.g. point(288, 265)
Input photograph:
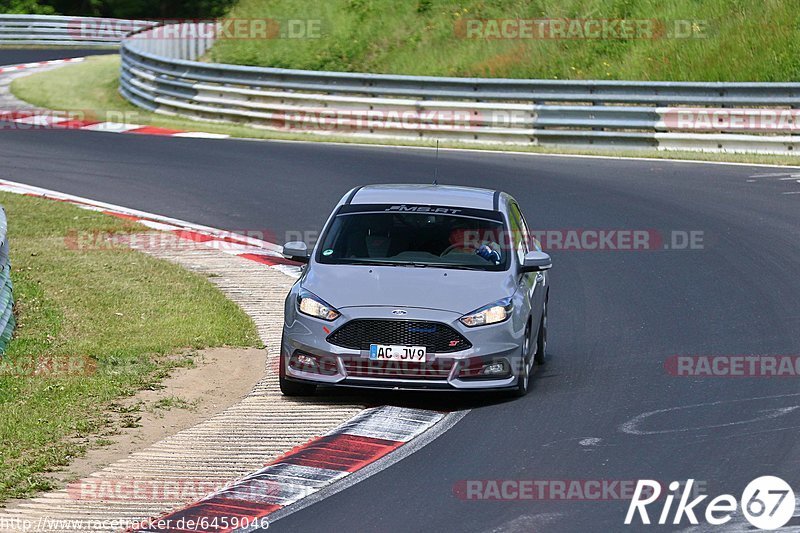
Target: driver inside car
point(466, 240)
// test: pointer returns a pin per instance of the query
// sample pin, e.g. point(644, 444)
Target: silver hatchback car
point(417, 287)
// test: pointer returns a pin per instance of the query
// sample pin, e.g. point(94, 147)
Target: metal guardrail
point(66, 31)
point(161, 72)
point(7, 321)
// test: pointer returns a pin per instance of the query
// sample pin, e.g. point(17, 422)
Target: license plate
point(388, 352)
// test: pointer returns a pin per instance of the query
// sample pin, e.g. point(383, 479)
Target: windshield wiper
point(455, 267)
point(415, 264)
point(373, 262)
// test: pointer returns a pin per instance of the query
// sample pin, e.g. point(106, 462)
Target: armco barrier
point(7, 321)
point(65, 31)
point(160, 72)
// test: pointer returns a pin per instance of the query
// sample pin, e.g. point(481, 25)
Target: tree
point(26, 6)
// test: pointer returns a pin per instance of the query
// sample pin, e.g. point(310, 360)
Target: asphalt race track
point(615, 316)
point(10, 56)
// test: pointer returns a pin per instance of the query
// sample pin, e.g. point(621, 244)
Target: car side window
point(519, 237)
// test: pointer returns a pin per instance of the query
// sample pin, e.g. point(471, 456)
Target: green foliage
point(34, 7)
point(732, 40)
point(151, 9)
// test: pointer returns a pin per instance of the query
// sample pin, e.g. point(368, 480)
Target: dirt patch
point(220, 378)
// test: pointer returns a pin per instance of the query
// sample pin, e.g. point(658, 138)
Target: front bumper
point(497, 343)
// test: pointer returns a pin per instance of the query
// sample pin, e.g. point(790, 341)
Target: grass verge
point(93, 326)
point(692, 40)
point(92, 86)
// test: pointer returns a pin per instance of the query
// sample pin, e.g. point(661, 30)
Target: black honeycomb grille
point(358, 334)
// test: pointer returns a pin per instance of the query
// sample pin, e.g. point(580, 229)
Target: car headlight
point(312, 305)
point(489, 314)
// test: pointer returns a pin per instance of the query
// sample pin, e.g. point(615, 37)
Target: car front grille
point(365, 368)
point(358, 334)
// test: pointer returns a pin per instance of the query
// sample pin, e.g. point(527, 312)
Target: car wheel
point(523, 383)
point(293, 388)
point(541, 340)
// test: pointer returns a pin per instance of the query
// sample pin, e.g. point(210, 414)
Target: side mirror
point(296, 251)
point(536, 262)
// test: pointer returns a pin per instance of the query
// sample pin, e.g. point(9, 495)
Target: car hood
point(459, 291)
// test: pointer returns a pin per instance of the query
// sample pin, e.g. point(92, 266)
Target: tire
point(293, 388)
point(524, 381)
point(541, 340)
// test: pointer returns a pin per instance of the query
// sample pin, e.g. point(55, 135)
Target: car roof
point(444, 195)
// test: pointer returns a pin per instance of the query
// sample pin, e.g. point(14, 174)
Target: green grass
point(745, 40)
point(92, 85)
point(172, 402)
point(114, 320)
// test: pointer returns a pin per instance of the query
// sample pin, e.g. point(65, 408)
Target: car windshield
point(419, 239)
